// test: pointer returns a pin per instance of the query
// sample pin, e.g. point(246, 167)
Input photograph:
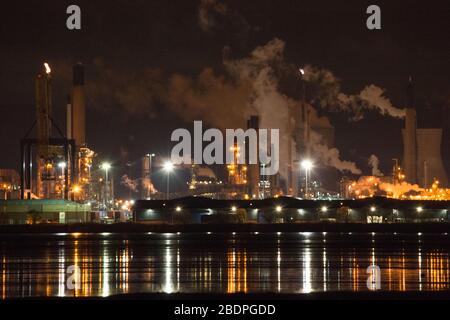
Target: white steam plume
point(374, 163)
point(330, 156)
point(129, 183)
point(326, 93)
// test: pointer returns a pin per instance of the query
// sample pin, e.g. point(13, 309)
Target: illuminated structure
point(147, 188)
point(237, 175)
point(76, 130)
point(421, 149)
point(253, 170)
point(57, 167)
point(42, 180)
point(9, 184)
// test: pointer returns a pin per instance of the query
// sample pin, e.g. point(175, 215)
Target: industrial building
point(57, 166)
point(9, 184)
point(422, 161)
point(43, 211)
point(288, 210)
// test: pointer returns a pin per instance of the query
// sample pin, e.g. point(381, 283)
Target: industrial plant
point(62, 180)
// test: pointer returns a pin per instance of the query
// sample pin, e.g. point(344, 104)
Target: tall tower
point(44, 125)
point(253, 175)
point(78, 106)
point(409, 138)
point(422, 159)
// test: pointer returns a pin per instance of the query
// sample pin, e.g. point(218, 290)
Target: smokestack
point(43, 124)
point(69, 118)
point(146, 176)
point(253, 169)
point(43, 111)
point(409, 138)
point(78, 106)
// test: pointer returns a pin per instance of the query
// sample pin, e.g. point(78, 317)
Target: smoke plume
point(396, 190)
point(247, 86)
point(326, 93)
point(374, 163)
point(370, 185)
point(330, 156)
point(129, 183)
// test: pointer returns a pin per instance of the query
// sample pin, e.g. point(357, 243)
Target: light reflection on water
point(36, 265)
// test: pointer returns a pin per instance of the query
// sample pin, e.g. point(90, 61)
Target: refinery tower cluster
point(59, 164)
point(56, 163)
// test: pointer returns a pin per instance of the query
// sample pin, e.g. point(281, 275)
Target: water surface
point(36, 265)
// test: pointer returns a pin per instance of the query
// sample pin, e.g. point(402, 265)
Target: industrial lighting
point(47, 68)
point(233, 208)
point(76, 189)
point(105, 166)
point(324, 209)
point(419, 209)
point(307, 164)
point(178, 209)
point(372, 209)
point(168, 166)
point(278, 208)
point(302, 71)
point(62, 165)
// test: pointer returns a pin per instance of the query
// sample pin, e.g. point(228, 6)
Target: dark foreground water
point(107, 264)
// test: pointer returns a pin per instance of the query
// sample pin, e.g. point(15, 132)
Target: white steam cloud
point(129, 183)
point(374, 163)
point(330, 156)
point(326, 93)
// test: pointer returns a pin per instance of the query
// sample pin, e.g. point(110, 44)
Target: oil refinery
point(62, 180)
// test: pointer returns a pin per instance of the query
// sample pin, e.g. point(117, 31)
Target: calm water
point(35, 265)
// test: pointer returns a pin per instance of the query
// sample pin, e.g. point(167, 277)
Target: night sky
point(129, 48)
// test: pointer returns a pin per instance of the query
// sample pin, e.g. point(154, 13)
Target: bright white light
point(47, 68)
point(178, 209)
point(62, 165)
point(168, 166)
point(302, 71)
point(324, 209)
point(419, 209)
point(278, 208)
point(307, 164)
point(372, 208)
point(105, 166)
point(233, 208)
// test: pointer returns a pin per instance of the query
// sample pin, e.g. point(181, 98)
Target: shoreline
point(437, 228)
point(255, 296)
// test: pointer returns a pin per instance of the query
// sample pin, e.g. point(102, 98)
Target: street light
point(62, 165)
point(168, 168)
point(106, 166)
point(307, 166)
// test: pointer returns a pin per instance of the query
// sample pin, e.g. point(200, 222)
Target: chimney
point(409, 137)
point(253, 176)
point(78, 106)
point(69, 117)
